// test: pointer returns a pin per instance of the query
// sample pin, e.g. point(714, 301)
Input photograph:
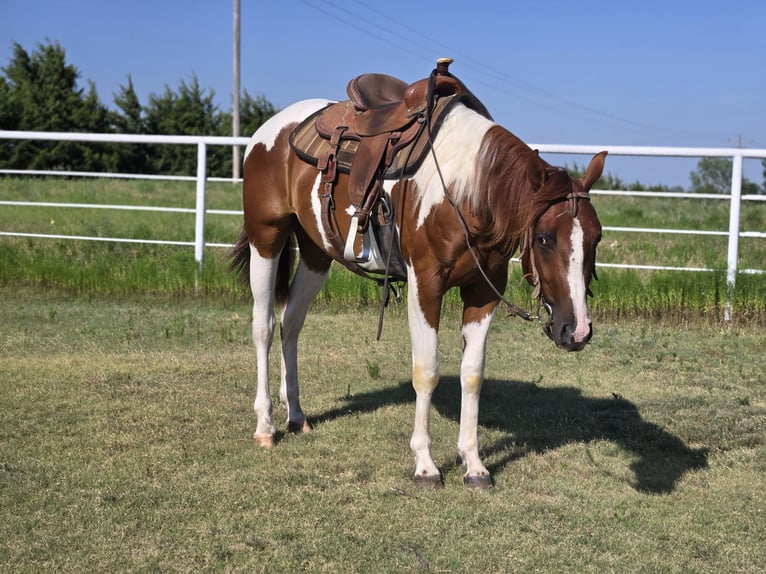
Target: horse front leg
point(476, 323)
point(425, 377)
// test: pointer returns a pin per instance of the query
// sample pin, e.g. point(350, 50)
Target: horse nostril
point(567, 335)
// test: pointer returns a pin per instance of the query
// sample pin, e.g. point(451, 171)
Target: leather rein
point(513, 310)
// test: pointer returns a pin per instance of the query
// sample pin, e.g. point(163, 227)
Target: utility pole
point(236, 162)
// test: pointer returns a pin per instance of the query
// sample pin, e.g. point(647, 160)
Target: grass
point(109, 269)
point(127, 379)
point(125, 429)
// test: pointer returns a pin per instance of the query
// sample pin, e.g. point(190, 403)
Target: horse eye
point(543, 240)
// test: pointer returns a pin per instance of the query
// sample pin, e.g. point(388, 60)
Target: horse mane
point(506, 195)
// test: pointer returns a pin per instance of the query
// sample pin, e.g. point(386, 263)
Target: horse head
point(559, 252)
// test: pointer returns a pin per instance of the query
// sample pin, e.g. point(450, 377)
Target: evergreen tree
point(40, 93)
point(190, 111)
point(254, 111)
point(129, 119)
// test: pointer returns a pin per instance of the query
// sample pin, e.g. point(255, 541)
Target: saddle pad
point(310, 146)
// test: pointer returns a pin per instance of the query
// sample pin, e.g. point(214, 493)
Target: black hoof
point(430, 481)
point(480, 482)
point(300, 427)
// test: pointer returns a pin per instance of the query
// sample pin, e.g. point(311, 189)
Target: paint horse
point(473, 196)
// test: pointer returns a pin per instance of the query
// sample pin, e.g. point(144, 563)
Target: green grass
point(673, 250)
point(125, 428)
point(109, 269)
point(127, 379)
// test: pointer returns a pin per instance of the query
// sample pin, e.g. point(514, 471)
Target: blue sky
point(649, 72)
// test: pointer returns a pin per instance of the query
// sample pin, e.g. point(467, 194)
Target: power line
point(405, 42)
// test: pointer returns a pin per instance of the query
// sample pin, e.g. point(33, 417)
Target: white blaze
point(576, 280)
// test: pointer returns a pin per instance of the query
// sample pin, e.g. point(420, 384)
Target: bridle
point(514, 310)
point(572, 198)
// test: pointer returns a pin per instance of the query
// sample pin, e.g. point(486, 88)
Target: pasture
point(125, 445)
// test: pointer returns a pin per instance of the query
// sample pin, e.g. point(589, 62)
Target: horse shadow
point(536, 419)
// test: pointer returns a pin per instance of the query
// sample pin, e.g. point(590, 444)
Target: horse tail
point(284, 270)
point(240, 264)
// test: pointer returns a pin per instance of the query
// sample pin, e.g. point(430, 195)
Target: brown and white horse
point(509, 198)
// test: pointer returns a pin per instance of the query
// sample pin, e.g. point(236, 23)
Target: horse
point(477, 196)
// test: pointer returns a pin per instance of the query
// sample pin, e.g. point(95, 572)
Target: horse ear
point(535, 169)
point(594, 171)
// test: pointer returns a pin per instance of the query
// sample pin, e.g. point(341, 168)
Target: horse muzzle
point(567, 336)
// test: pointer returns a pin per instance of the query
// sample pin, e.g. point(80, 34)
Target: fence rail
point(735, 196)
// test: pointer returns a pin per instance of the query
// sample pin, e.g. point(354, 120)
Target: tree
point(40, 92)
point(190, 111)
point(131, 120)
point(254, 111)
point(713, 175)
point(131, 158)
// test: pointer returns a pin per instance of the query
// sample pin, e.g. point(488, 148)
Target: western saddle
point(383, 131)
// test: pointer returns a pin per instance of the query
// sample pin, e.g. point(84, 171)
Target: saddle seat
point(384, 103)
point(375, 91)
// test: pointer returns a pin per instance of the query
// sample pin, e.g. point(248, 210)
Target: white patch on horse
point(316, 208)
point(268, 132)
point(458, 140)
point(576, 281)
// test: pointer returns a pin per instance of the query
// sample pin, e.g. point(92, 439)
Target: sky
point(599, 72)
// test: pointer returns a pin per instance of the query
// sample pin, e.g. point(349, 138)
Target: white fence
point(735, 197)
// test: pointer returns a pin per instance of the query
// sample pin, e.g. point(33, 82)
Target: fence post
point(733, 250)
point(199, 224)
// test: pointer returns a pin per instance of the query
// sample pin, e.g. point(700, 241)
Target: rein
point(513, 309)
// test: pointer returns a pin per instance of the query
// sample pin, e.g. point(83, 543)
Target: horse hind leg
point(263, 281)
point(308, 280)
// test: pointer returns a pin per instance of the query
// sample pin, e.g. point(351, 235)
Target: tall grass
point(109, 269)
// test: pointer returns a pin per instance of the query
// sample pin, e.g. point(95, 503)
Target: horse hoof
point(264, 440)
point(300, 427)
point(479, 482)
point(429, 481)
